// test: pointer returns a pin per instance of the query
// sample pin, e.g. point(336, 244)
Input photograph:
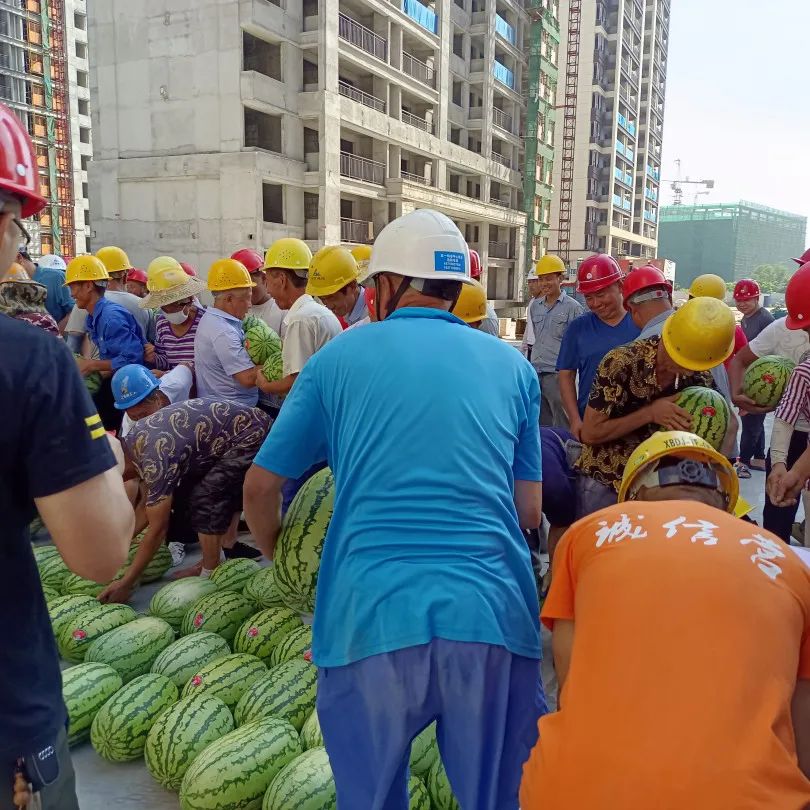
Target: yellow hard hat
point(86, 268)
point(709, 285)
point(684, 445)
point(471, 306)
point(114, 259)
point(549, 264)
point(228, 274)
point(288, 254)
point(361, 253)
point(330, 270)
point(16, 273)
point(700, 335)
point(158, 266)
point(168, 283)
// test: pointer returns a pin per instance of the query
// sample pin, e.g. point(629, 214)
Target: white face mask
point(176, 317)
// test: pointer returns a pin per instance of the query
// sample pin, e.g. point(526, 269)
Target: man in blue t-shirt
point(55, 459)
point(426, 606)
point(591, 336)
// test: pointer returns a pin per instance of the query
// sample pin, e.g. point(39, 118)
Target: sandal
point(742, 470)
point(757, 464)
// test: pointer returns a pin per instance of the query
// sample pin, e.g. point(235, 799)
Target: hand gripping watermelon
point(92, 381)
point(766, 379)
point(85, 689)
point(306, 783)
point(261, 342)
point(710, 413)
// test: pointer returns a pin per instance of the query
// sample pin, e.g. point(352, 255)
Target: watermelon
point(77, 635)
point(52, 571)
point(92, 381)
point(287, 691)
point(132, 648)
point(172, 601)
point(181, 660)
point(66, 608)
point(74, 584)
point(36, 526)
point(261, 342)
point(306, 783)
point(710, 413)
point(424, 751)
point(155, 568)
point(438, 787)
point(294, 645)
point(227, 678)
point(262, 632)
point(43, 553)
point(85, 689)
point(119, 730)
point(232, 575)
point(261, 588)
point(235, 772)
point(181, 733)
point(418, 796)
point(311, 734)
point(273, 367)
point(50, 594)
point(766, 379)
point(221, 612)
point(298, 551)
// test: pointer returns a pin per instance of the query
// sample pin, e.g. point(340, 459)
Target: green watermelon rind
point(66, 608)
point(52, 571)
point(85, 689)
point(294, 645)
point(227, 678)
point(262, 632)
point(261, 342)
point(183, 658)
point(74, 584)
point(764, 393)
point(305, 783)
point(233, 575)
point(172, 601)
point(438, 787)
point(221, 612)
point(424, 751)
point(261, 589)
point(711, 427)
point(76, 636)
point(418, 796)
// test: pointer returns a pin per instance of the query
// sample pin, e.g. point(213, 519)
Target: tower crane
point(678, 184)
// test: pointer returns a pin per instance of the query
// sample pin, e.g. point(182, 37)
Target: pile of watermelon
point(766, 379)
point(264, 347)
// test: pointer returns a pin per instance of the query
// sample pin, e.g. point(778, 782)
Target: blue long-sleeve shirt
point(116, 333)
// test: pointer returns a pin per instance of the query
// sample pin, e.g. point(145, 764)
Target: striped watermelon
point(273, 367)
point(227, 678)
point(42, 553)
point(181, 733)
point(294, 645)
point(311, 734)
point(181, 660)
point(221, 612)
point(233, 575)
point(261, 589)
point(52, 571)
point(263, 631)
point(424, 751)
point(261, 342)
point(235, 772)
point(132, 648)
point(438, 786)
point(766, 379)
point(65, 609)
point(157, 566)
point(74, 584)
point(710, 413)
point(50, 594)
point(172, 601)
point(85, 689)
point(418, 796)
point(77, 635)
point(303, 530)
point(306, 783)
point(287, 691)
point(119, 730)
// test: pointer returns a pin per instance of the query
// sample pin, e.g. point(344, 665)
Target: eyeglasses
point(24, 234)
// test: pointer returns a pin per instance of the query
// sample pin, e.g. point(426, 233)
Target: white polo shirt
point(175, 385)
point(777, 339)
point(307, 327)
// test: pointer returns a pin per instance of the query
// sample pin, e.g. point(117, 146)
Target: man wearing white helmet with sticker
point(426, 607)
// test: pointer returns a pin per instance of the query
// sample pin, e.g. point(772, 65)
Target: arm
point(529, 503)
point(262, 504)
point(599, 428)
point(730, 438)
point(568, 395)
point(89, 366)
point(122, 337)
point(246, 378)
point(62, 324)
point(736, 372)
point(279, 387)
point(800, 712)
point(235, 360)
point(562, 645)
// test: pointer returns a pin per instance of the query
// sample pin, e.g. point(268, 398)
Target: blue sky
point(738, 101)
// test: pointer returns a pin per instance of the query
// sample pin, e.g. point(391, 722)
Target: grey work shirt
point(549, 324)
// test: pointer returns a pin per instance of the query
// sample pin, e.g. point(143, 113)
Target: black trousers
point(104, 401)
point(752, 442)
point(779, 519)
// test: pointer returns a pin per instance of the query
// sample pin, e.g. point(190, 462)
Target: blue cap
point(132, 384)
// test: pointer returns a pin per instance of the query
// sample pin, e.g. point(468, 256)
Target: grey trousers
point(592, 496)
point(552, 413)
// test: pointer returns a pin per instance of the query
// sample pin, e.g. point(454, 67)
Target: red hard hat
point(136, 274)
point(804, 258)
point(597, 272)
point(643, 278)
point(797, 299)
point(189, 269)
point(18, 168)
point(475, 264)
point(746, 289)
point(252, 259)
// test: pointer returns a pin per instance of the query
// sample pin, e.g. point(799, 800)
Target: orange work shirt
point(691, 629)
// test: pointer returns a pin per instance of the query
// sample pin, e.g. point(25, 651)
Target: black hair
point(440, 288)
point(297, 281)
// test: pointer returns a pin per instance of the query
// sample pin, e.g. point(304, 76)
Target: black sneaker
point(243, 550)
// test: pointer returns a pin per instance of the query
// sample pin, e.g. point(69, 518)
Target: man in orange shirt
point(681, 640)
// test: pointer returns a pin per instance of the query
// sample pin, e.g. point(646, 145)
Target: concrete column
point(292, 126)
point(329, 125)
point(444, 80)
point(294, 206)
point(394, 158)
point(395, 101)
point(395, 46)
point(483, 251)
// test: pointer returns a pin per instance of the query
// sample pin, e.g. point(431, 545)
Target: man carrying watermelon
point(262, 305)
point(333, 281)
point(426, 606)
point(681, 640)
point(634, 392)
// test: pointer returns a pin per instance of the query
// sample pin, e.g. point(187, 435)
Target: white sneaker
point(178, 552)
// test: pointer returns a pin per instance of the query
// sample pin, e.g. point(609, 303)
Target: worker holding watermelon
point(334, 282)
point(426, 607)
point(667, 615)
point(262, 305)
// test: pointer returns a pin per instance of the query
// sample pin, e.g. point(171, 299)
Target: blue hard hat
point(132, 384)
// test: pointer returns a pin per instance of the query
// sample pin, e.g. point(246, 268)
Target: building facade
point(608, 172)
point(44, 78)
point(221, 124)
point(731, 240)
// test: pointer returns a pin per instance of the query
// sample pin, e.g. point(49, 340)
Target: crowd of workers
point(680, 633)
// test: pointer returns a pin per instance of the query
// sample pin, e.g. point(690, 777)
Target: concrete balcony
point(262, 92)
point(502, 120)
point(416, 178)
point(500, 250)
point(502, 159)
point(360, 96)
point(418, 69)
point(416, 121)
point(362, 37)
point(361, 168)
point(358, 231)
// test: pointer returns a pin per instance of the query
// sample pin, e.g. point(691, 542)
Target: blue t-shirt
point(426, 424)
point(52, 443)
point(586, 341)
point(58, 302)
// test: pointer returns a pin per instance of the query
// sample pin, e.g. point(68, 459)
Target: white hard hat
point(423, 244)
point(532, 275)
point(52, 261)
